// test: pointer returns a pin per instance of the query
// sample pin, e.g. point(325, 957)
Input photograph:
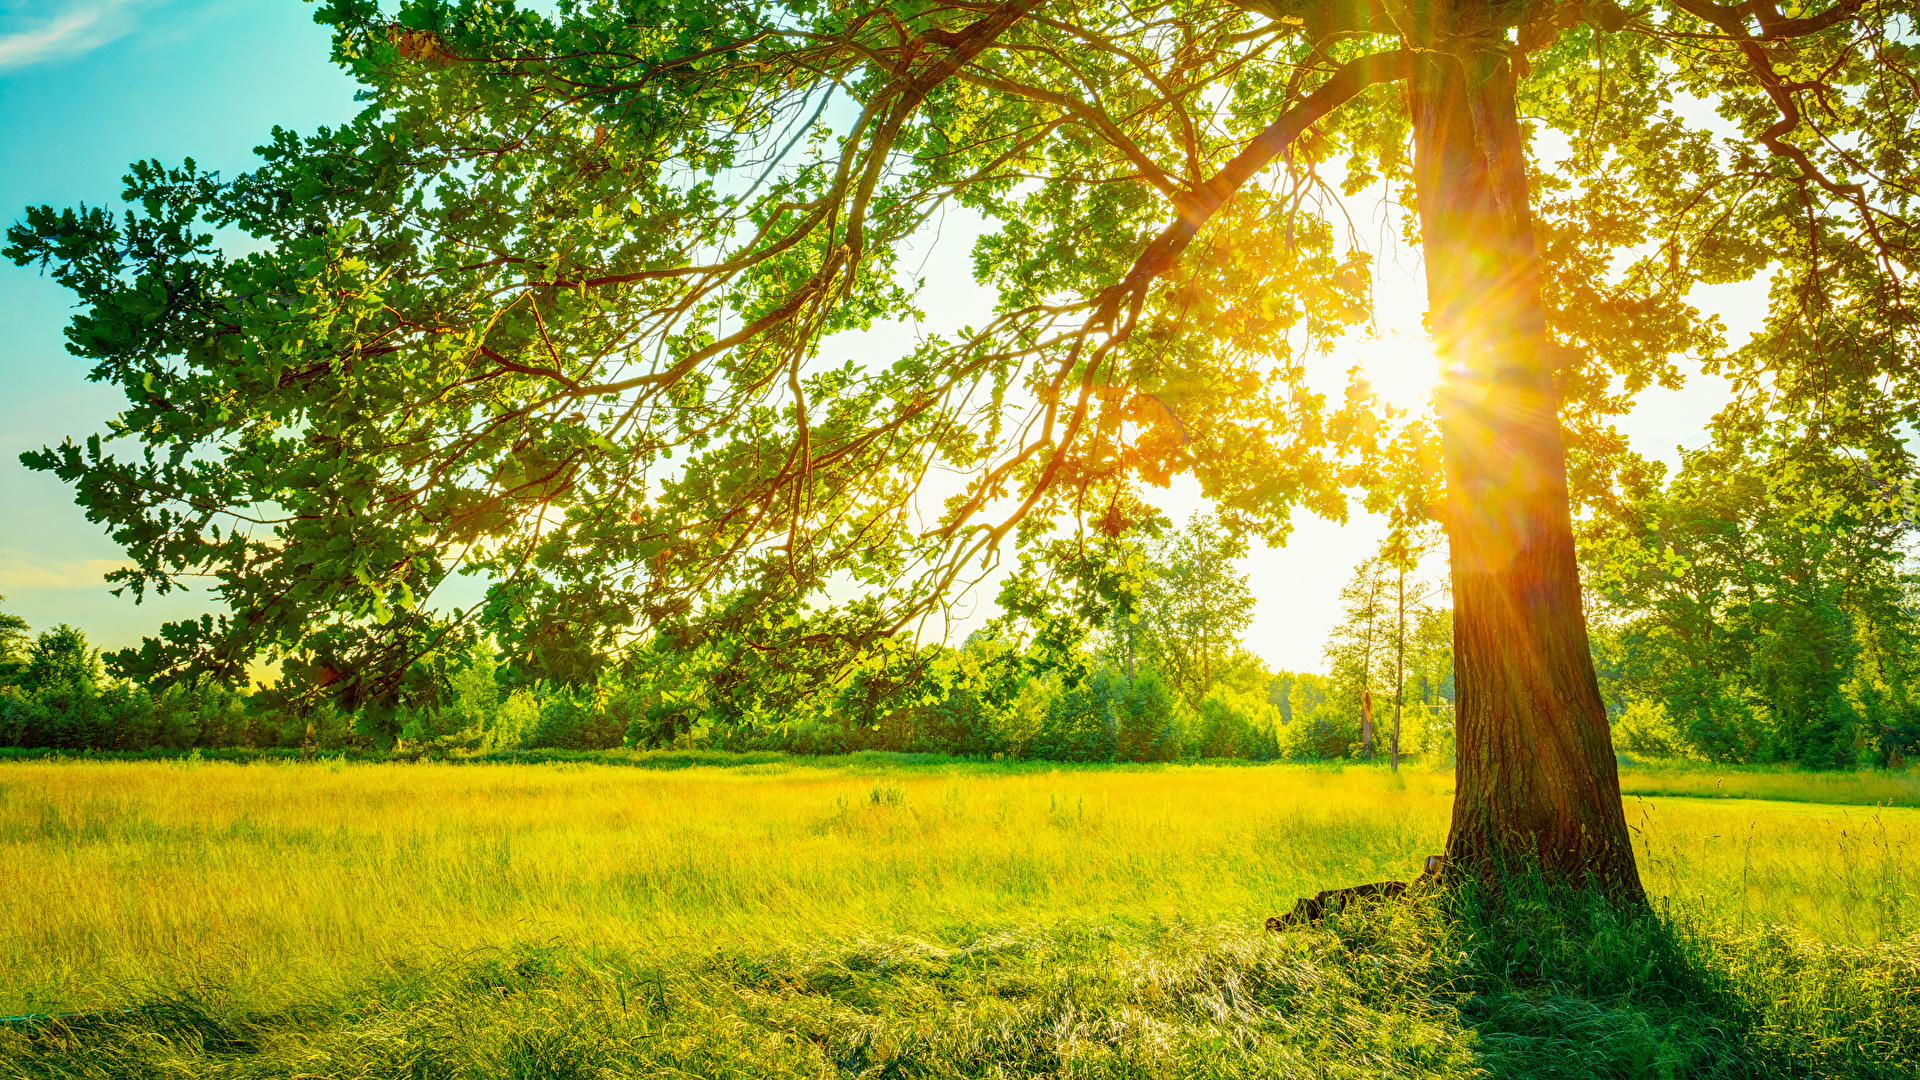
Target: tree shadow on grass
point(1560, 983)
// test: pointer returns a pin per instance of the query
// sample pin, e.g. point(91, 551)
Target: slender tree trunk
point(1399, 658)
point(1130, 625)
point(1366, 722)
point(1366, 659)
point(1536, 781)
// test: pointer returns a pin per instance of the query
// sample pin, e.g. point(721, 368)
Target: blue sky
point(87, 86)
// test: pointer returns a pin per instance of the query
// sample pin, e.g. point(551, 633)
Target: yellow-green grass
point(1866, 787)
point(281, 881)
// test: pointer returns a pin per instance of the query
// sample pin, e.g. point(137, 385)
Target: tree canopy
point(1766, 606)
point(573, 305)
point(13, 643)
point(1193, 608)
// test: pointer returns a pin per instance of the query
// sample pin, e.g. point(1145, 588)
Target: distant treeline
point(1163, 678)
point(1732, 619)
point(979, 702)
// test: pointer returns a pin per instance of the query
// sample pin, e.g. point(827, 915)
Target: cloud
point(20, 570)
point(32, 33)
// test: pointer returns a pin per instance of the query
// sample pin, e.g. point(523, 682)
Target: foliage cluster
point(562, 307)
point(980, 702)
point(1760, 606)
point(54, 694)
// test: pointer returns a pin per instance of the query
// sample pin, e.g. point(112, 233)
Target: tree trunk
point(1399, 660)
point(1366, 723)
point(1536, 782)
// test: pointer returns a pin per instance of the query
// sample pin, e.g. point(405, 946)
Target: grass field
point(766, 897)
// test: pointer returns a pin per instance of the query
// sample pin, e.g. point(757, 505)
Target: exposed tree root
point(1309, 910)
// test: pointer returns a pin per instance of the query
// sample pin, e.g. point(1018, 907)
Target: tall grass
point(1784, 783)
point(136, 873)
point(1534, 986)
point(567, 920)
point(1093, 1002)
point(270, 880)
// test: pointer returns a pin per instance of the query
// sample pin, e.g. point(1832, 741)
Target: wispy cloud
point(42, 30)
point(21, 570)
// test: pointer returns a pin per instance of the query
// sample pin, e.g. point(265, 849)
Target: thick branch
point(1198, 207)
point(1774, 137)
point(1092, 117)
point(1732, 20)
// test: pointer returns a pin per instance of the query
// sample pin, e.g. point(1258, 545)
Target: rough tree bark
point(1536, 782)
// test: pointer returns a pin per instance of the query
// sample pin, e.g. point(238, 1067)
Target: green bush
point(1148, 721)
point(80, 716)
point(1235, 725)
point(1082, 722)
point(979, 702)
point(576, 718)
point(1327, 732)
point(1645, 728)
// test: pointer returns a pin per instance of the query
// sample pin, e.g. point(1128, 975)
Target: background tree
point(1362, 642)
point(1430, 680)
point(559, 309)
point(1390, 644)
point(1885, 675)
point(1412, 615)
point(13, 645)
point(1745, 593)
point(1194, 607)
point(62, 657)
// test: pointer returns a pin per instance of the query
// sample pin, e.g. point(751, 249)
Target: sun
point(1402, 370)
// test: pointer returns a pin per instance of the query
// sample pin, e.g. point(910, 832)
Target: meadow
point(340, 905)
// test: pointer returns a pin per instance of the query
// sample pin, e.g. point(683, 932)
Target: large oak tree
point(571, 306)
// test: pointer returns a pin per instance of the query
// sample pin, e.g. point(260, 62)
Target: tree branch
point(1197, 208)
